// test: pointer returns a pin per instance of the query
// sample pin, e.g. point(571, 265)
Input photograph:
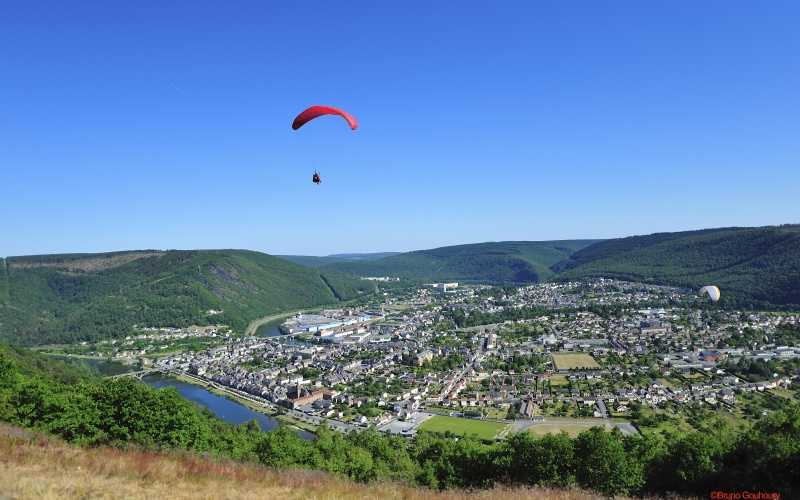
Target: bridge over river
point(142, 373)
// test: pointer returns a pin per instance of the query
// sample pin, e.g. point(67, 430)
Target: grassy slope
point(41, 467)
point(491, 263)
point(80, 297)
point(761, 264)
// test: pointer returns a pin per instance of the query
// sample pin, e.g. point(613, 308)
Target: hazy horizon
point(376, 252)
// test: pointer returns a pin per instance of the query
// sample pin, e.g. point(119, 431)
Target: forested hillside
point(312, 261)
point(755, 267)
point(507, 262)
point(76, 297)
point(3, 282)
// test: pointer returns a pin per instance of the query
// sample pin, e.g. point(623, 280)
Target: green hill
point(507, 262)
point(74, 297)
point(755, 267)
point(3, 281)
point(312, 261)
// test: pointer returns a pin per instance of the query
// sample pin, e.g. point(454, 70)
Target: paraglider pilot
point(315, 112)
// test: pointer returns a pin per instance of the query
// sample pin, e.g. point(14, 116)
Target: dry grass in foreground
point(40, 467)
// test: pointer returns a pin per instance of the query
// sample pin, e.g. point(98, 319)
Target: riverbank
point(257, 406)
point(255, 324)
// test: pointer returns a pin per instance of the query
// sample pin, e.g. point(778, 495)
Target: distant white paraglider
point(712, 291)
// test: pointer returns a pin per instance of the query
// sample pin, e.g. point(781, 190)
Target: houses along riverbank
point(228, 404)
point(224, 402)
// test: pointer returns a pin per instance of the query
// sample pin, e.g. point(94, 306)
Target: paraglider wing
point(317, 111)
point(712, 291)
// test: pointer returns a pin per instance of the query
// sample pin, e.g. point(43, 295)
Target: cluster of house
point(373, 342)
point(657, 393)
point(124, 352)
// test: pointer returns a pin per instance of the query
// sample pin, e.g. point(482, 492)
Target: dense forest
point(67, 402)
point(758, 268)
point(314, 261)
point(755, 267)
point(85, 297)
point(508, 262)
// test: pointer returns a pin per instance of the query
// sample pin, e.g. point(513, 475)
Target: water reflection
point(221, 406)
point(97, 366)
point(269, 329)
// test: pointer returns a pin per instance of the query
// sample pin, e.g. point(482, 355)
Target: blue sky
point(167, 125)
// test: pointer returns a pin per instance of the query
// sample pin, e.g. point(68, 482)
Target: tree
point(602, 464)
point(693, 463)
point(643, 451)
point(549, 458)
point(334, 449)
point(283, 447)
point(516, 456)
point(390, 457)
point(8, 387)
point(768, 457)
point(73, 416)
point(433, 453)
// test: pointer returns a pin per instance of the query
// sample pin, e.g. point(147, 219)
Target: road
point(452, 384)
point(603, 411)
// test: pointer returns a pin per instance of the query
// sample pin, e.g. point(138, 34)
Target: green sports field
point(576, 360)
point(459, 426)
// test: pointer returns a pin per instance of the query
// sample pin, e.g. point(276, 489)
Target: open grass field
point(497, 413)
point(574, 360)
point(784, 393)
point(572, 429)
point(459, 426)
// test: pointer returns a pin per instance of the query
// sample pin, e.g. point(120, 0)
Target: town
point(644, 358)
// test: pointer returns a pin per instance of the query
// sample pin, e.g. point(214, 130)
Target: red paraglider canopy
point(317, 111)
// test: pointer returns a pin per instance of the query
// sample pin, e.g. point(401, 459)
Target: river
point(270, 329)
point(221, 406)
point(224, 408)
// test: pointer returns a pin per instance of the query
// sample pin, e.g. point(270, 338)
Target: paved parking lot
point(405, 427)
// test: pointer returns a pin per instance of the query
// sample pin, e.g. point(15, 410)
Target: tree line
point(757, 268)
